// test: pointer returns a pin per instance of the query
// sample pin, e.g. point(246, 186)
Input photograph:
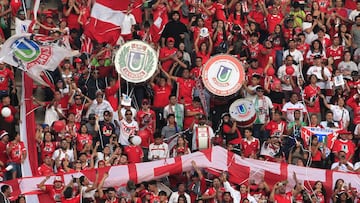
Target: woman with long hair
point(319, 191)
point(316, 48)
point(181, 147)
point(317, 150)
point(238, 17)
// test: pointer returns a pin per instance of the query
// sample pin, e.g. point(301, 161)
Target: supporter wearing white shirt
point(63, 152)
point(175, 195)
point(128, 22)
point(355, 12)
point(286, 83)
point(329, 122)
point(99, 105)
point(347, 66)
point(343, 165)
point(290, 107)
point(128, 127)
point(296, 54)
point(322, 73)
point(158, 149)
point(340, 113)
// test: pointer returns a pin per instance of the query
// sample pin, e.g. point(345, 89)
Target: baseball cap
point(196, 99)
point(145, 101)
point(3, 133)
point(170, 39)
point(58, 179)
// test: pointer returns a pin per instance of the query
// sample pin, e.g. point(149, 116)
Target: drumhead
point(242, 110)
point(223, 75)
point(136, 61)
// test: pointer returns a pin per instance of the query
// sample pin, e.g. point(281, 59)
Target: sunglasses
point(145, 103)
point(78, 98)
point(128, 114)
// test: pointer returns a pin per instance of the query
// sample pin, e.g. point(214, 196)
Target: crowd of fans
point(301, 60)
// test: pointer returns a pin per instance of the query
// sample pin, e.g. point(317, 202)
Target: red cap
point(67, 135)
point(3, 133)
point(58, 179)
point(78, 60)
point(343, 132)
point(170, 39)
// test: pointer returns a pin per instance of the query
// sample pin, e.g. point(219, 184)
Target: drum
point(223, 75)
point(243, 111)
point(136, 61)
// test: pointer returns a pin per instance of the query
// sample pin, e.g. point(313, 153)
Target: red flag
point(105, 21)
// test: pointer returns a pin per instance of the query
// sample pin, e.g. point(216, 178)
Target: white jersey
point(289, 108)
point(316, 70)
point(127, 129)
point(281, 73)
point(340, 114)
point(160, 151)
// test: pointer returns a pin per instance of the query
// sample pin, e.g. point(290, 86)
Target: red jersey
point(273, 20)
point(82, 140)
point(208, 18)
point(336, 53)
point(311, 93)
point(220, 12)
point(211, 191)
point(227, 129)
point(44, 31)
point(323, 5)
point(165, 52)
point(185, 89)
point(16, 151)
point(196, 72)
point(255, 50)
point(77, 111)
point(192, 188)
point(56, 194)
point(259, 17)
point(71, 200)
point(286, 198)
point(45, 170)
point(350, 4)
point(47, 149)
point(188, 120)
point(3, 155)
point(236, 20)
point(356, 108)
point(344, 145)
point(111, 95)
point(252, 71)
point(72, 20)
point(161, 95)
point(135, 153)
point(5, 75)
point(146, 120)
point(276, 128)
point(303, 48)
point(250, 147)
point(204, 56)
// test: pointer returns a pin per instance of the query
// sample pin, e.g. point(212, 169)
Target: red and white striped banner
point(215, 160)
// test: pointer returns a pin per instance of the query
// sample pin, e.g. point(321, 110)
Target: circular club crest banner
point(136, 61)
point(223, 75)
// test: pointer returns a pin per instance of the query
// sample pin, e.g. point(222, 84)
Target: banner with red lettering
point(215, 160)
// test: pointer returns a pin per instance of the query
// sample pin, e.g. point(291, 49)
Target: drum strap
point(200, 88)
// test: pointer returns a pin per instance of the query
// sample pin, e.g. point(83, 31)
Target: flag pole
point(24, 7)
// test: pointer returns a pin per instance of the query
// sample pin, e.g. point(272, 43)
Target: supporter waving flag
point(35, 54)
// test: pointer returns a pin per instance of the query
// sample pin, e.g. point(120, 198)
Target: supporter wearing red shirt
point(279, 195)
point(301, 45)
point(17, 154)
point(311, 96)
point(83, 138)
point(266, 53)
point(344, 144)
point(238, 17)
point(335, 50)
point(210, 193)
point(353, 102)
point(4, 139)
point(250, 146)
point(146, 117)
point(46, 169)
point(49, 23)
point(205, 49)
point(207, 11)
point(111, 93)
point(192, 111)
point(255, 47)
point(276, 126)
point(77, 106)
point(220, 10)
point(5, 75)
point(254, 69)
point(134, 153)
point(185, 86)
point(274, 18)
point(55, 191)
point(71, 12)
point(326, 42)
point(230, 131)
point(220, 34)
point(162, 91)
point(339, 11)
point(176, 5)
point(324, 5)
point(47, 146)
point(256, 15)
point(167, 54)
